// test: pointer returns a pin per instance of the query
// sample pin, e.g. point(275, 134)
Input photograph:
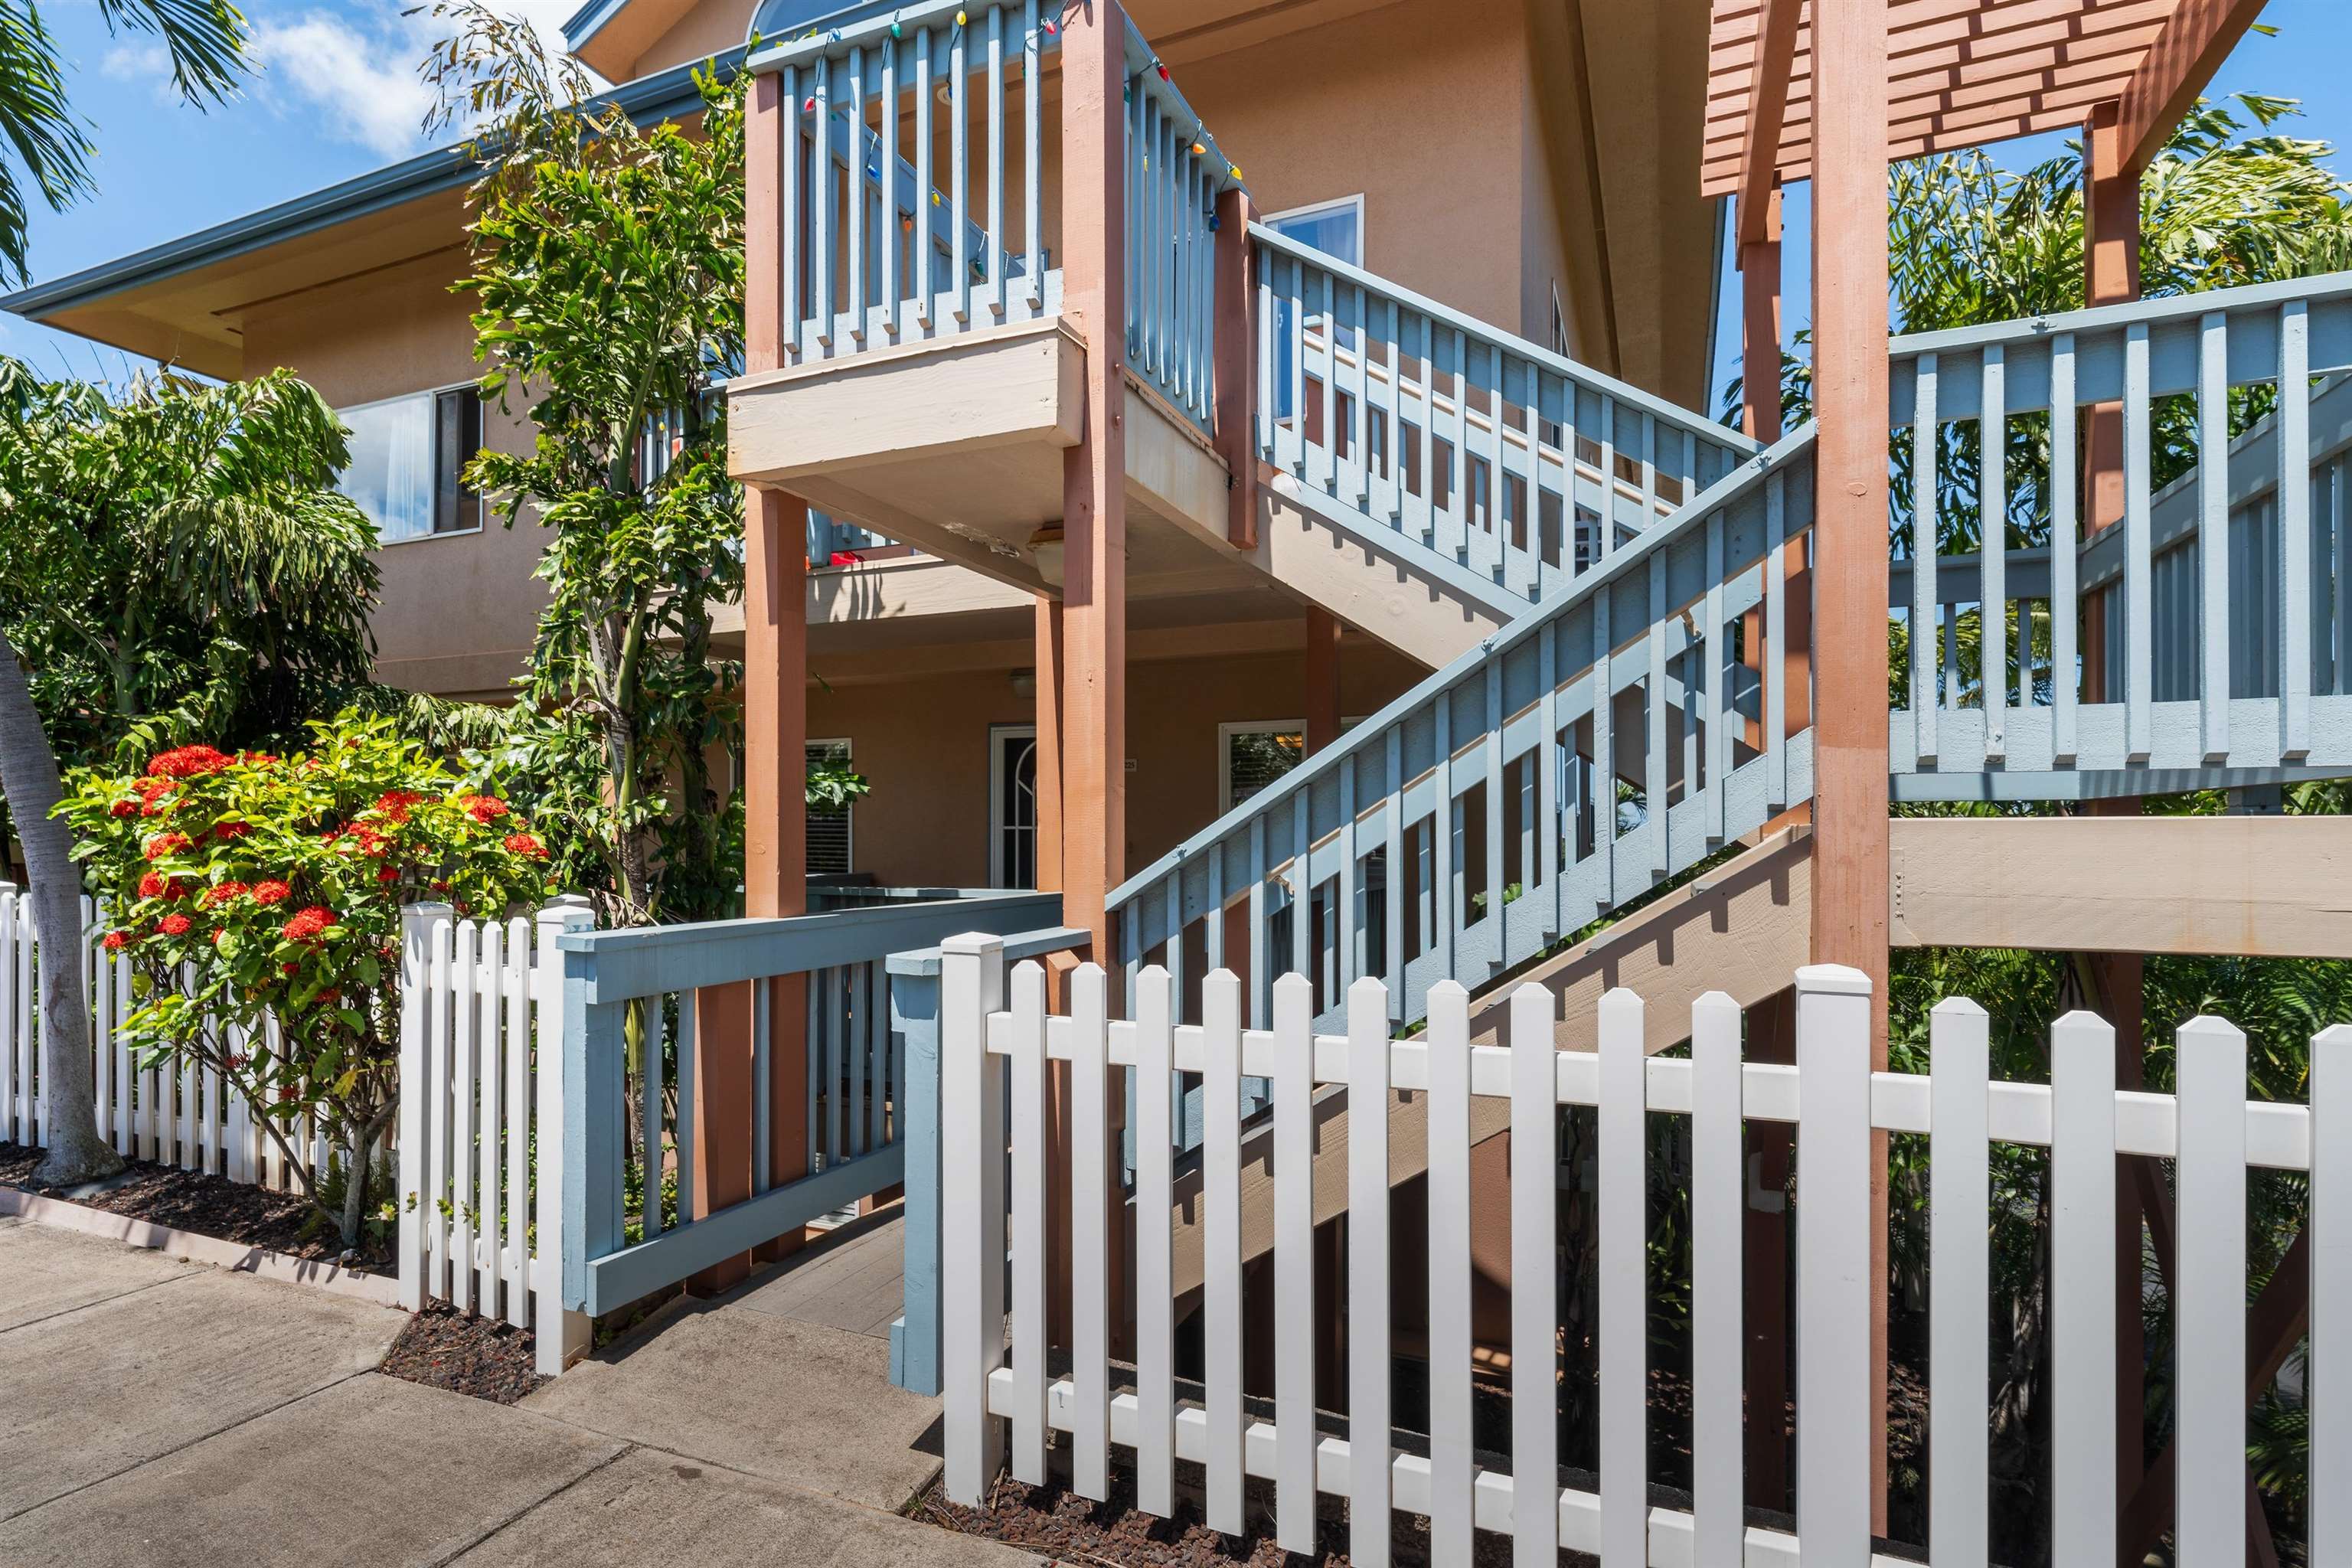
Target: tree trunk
point(28, 776)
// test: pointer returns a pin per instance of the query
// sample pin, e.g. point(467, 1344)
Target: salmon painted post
point(741, 1032)
point(1850, 843)
point(2111, 277)
point(1092, 804)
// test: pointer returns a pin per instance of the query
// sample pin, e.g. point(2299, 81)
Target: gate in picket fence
point(999, 1181)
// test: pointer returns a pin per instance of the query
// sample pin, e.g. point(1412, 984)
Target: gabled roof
point(178, 300)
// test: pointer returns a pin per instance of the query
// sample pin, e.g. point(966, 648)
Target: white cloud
point(349, 70)
point(356, 74)
point(142, 62)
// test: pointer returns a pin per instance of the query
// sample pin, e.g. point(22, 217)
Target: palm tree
point(174, 563)
point(204, 40)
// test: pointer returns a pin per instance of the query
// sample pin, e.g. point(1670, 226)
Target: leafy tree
point(204, 40)
point(173, 561)
point(252, 889)
point(607, 269)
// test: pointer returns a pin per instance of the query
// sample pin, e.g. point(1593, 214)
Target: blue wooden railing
point(627, 1148)
point(1610, 737)
point(2222, 638)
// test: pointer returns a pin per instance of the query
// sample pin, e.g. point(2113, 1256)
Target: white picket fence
point(482, 1230)
point(476, 996)
point(993, 1097)
point(185, 1116)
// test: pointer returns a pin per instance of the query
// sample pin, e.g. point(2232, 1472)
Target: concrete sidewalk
point(162, 1413)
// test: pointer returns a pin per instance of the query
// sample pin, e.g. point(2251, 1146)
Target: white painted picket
point(1836, 1101)
point(477, 998)
point(480, 1216)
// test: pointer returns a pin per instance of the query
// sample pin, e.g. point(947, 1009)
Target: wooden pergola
point(1831, 93)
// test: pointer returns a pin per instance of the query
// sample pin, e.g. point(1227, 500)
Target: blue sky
point(337, 95)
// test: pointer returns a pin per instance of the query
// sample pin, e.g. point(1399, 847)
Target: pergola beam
point(2195, 41)
point(1767, 105)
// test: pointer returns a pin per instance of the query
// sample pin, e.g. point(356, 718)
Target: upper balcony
point(932, 380)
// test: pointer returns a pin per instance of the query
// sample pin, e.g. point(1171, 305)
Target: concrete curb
point(236, 1256)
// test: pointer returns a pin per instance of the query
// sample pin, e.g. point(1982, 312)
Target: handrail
point(2321, 288)
point(1671, 413)
point(649, 960)
point(617, 992)
point(1360, 737)
point(1625, 676)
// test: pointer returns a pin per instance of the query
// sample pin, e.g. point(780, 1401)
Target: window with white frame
point(407, 456)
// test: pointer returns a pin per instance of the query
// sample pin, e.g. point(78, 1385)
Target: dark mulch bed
point(1069, 1529)
point(207, 1205)
point(442, 1348)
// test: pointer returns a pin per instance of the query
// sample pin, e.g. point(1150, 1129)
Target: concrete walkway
point(162, 1413)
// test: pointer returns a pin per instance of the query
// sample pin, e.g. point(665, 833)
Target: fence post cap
point(426, 913)
point(973, 945)
point(1833, 980)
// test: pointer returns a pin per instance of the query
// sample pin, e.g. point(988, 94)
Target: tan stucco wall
point(458, 610)
point(924, 743)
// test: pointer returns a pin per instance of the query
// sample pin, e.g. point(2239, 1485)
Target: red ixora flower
point(122, 808)
point(222, 892)
point(387, 873)
point(153, 789)
point(481, 808)
point(287, 1093)
point(307, 925)
point(164, 844)
point(525, 846)
point(116, 941)
point(189, 762)
point(151, 884)
point(394, 803)
point(174, 925)
point(232, 829)
point(272, 892)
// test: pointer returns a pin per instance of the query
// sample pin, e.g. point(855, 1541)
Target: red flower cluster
point(307, 925)
point(484, 808)
point(223, 892)
point(122, 808)
point(164, 844)
point(231, 829)
point(371, 842)
point(189, 762)
point(151, 884)
point(525, 846)
point(116, 941)
point(394, 803)
point(272, 892)
point(174, 925)
point(387, 874)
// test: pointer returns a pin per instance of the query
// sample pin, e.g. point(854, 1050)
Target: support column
point(775, 531)
point(1322, 679)
point(1050, 674)
point(1851, 853)
point(1772, 1023)
point(2111, 233)
point(1094, 498)
point(1093, 707)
